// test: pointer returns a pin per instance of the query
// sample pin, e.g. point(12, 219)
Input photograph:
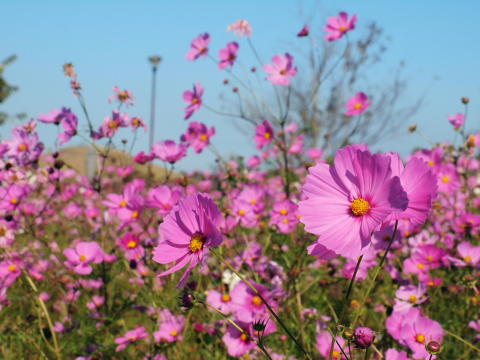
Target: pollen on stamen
point(196, 242)
point(360, 207)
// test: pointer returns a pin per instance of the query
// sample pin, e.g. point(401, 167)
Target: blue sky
point(109, 42)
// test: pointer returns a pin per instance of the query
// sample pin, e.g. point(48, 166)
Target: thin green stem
point(254, 289)
point(470, 345)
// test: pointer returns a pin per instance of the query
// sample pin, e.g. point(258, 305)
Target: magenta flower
point(169, 151)
point(354, 196)
point(284, 217)
point(324, 341)
point(281, 70)
point(239, 343)
point(170, 327)
point(69, 124)
point(469, 255)
point(198, 136)
point(338, 26)
point(241, 28)
point(130, 337)
point(246, 305)
point(418, 333)
point(163, 198)
point(198, 47)
point(393, 354)
point(220, 301)
point(264, 134)
point(24, 147)
point(457, 120)
point(304, 32)
point(194, 100)
point(131, 245)
point(186, 234)
point(111, 124)
point(228, 55)
point(357, 104)
point(408, 296)
point(82, 255)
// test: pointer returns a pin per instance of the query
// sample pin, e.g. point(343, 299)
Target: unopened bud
point(412, 128)
point(433, 347)
point(465, 100)
point(363, 337)
point(348, 334)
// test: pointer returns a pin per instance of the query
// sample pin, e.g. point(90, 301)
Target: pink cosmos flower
point(457, 120)
point(199, 47)
point(198, 136)
point(419, 333)
point(228, 55)
point(111, 124)
point(254, 161)
point(239, 343)
point(170, 327)
point(124, 97)
point(264, 134)
point(357, 104)
point(304, 31)
point(448, 178)
point(130, 337)
point(281, 70)
point(469, 255)
point(11, 196)
point(24, 147)
point(338, 26)
point(186, 234)
point(220, 301)
point(163, 198)
point(142, 158)
point(354, 196)
point(169, 151)
point(69, 124)
point(194, 100)
point(246, 305)
point(82, 255)
point(408, 296)
point(324, 341)
point(243, 212)
point(131, 245)
point(284, 216)
point(241, 28)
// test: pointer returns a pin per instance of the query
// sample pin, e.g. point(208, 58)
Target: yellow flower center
point(283, 72)
point(285, 221)
point(467, 258)
point(412, 299)
point(135, 214)
point(358, 106)
point(22, 147)
point(430, 258)
point(14, 200)
point(430, 163)
point(12, 268)
point(420, 266)
point(244, 337)
point(82, 258)
point(445, 179)
point(196, 242)
point(112, 125)
point(420, 338)
point(174, 333)
point(3, 231)
point(256, 300)
point(342, 28)
point(226, 298)
point(336, 354)
point(360, 207)
point(123, 95)
point(194, 101)
point(131, 244)
point(241, 212)
point(267, 135)
point(136, 121)
point(283, 212)
point(204, 137)
point(122, 203)
point(253, 201)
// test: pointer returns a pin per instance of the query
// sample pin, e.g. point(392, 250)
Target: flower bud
point(465, 100)
point(412, 128)
point(363, 337)
point(348, 334)
point(433, 347)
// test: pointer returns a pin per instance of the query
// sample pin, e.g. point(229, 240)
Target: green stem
point(377, 272)
point(470, 345)
point(250, 285)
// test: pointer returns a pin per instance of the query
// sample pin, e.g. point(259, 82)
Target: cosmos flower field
point(292, 253)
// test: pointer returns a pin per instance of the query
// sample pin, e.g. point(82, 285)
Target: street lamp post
point(154, 61)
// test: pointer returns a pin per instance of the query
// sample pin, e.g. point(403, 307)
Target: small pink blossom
point(357, 104)
point(199, 47)
point(241, 28)
point(338, 26)
point(281, 71)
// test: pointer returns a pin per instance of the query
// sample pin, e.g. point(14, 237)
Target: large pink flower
point(347, 202)
point(186, 234)
point(281, 70)
point(338, 26)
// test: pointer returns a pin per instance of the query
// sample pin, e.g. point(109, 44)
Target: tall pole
point(154, 61)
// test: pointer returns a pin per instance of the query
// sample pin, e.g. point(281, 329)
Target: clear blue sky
point(109, 42)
